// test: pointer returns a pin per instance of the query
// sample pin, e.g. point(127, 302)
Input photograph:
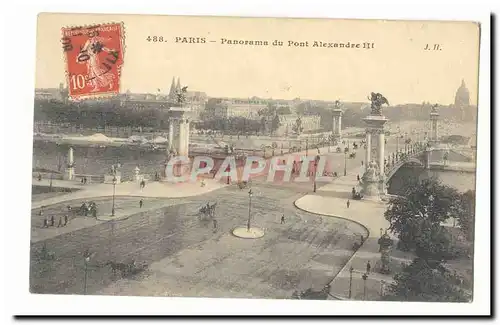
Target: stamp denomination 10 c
point(94, 56)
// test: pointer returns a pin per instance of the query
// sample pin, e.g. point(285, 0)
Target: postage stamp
point(94, 56)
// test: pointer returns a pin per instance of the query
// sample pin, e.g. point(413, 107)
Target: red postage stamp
point(94, 56)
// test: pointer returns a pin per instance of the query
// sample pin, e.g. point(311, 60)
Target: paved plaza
point(188, 256)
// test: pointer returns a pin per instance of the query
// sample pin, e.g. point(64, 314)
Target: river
point(462, 181)
point(98, 161)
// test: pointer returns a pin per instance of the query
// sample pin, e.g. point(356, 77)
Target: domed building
point(462, 99)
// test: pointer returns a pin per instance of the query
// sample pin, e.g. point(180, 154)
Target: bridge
point(413, 154)
point(425, 156)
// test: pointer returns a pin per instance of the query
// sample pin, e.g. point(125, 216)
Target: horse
point(126, 269)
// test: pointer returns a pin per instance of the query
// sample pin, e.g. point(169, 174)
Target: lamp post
point(382, 284)
point(315, 171)
point(86, 260)
point(249, 208)
point(365, 277)
point(307, 146)
point(351, 269)
point(345, 161)
point(114, 190)
point(50, 185)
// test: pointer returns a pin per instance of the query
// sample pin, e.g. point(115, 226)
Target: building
point(239, 107)
point(287, 123)
point(59, 94)
point(462, 101)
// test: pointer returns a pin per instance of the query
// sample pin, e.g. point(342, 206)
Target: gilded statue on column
point(377, 100)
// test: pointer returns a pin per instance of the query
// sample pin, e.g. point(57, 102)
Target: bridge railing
point(401, 160)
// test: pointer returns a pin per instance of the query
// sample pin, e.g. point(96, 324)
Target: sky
point(397, 66)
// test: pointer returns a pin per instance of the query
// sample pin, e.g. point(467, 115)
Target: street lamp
point(365, 277)
point(86, 260)
point(50, 185)
point(114, 189)
point(249, 208)
point(351, 269)
point(315, 172)
point(345, 161)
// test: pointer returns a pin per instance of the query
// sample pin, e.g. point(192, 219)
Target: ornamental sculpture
point(377, 100)
point(337, 105)
point(180, 96)
point(434, 108)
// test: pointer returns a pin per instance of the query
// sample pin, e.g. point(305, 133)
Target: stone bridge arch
point(418, 161)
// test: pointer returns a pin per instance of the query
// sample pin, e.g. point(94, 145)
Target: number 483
point(155, 39)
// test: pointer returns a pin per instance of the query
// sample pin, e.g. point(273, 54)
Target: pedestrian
point(140, 203)
point(353, 192)
point(45, 223)
point(358, 177)
point(82, 180)
point(348, 203)
point(41, 212)
point(282, 219)
point(52, 221)
point(65, 220)
point(368, 267)
point(39, 177)
point(60, 222)
point(362, 163)
point(85, 180)
point(215, 224)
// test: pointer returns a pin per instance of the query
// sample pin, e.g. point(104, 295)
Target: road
point(304, 252)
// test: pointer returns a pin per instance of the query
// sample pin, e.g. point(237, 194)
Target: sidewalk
point(124, 208)
point(153, 189)
point(331, 200)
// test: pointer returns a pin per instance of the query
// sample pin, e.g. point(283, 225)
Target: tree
point(426, 282)
point(465, 213)
point(297, 128)
point(417, 215)
point(275, 123)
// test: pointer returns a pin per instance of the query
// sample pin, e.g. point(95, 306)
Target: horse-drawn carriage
point(83, 210)
point(127, 269)
point(207, 211)
point(44, 254)
point(243, 184)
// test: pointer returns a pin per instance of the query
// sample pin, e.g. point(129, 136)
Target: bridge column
point(374, 177)
point(381, 150)
point(171, 134)
point(428, 158)
point(337, 123)
point(70, 170)
point(434, 116)
point(368, 148)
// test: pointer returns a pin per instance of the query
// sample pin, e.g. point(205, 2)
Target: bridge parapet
point(415, 157)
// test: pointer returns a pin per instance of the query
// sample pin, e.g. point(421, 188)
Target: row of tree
point(417, 219)
point(91, 115)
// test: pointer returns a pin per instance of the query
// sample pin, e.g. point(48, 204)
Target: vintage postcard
point(275, 158)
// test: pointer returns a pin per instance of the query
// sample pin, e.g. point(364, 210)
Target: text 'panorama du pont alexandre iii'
point(367, 45)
